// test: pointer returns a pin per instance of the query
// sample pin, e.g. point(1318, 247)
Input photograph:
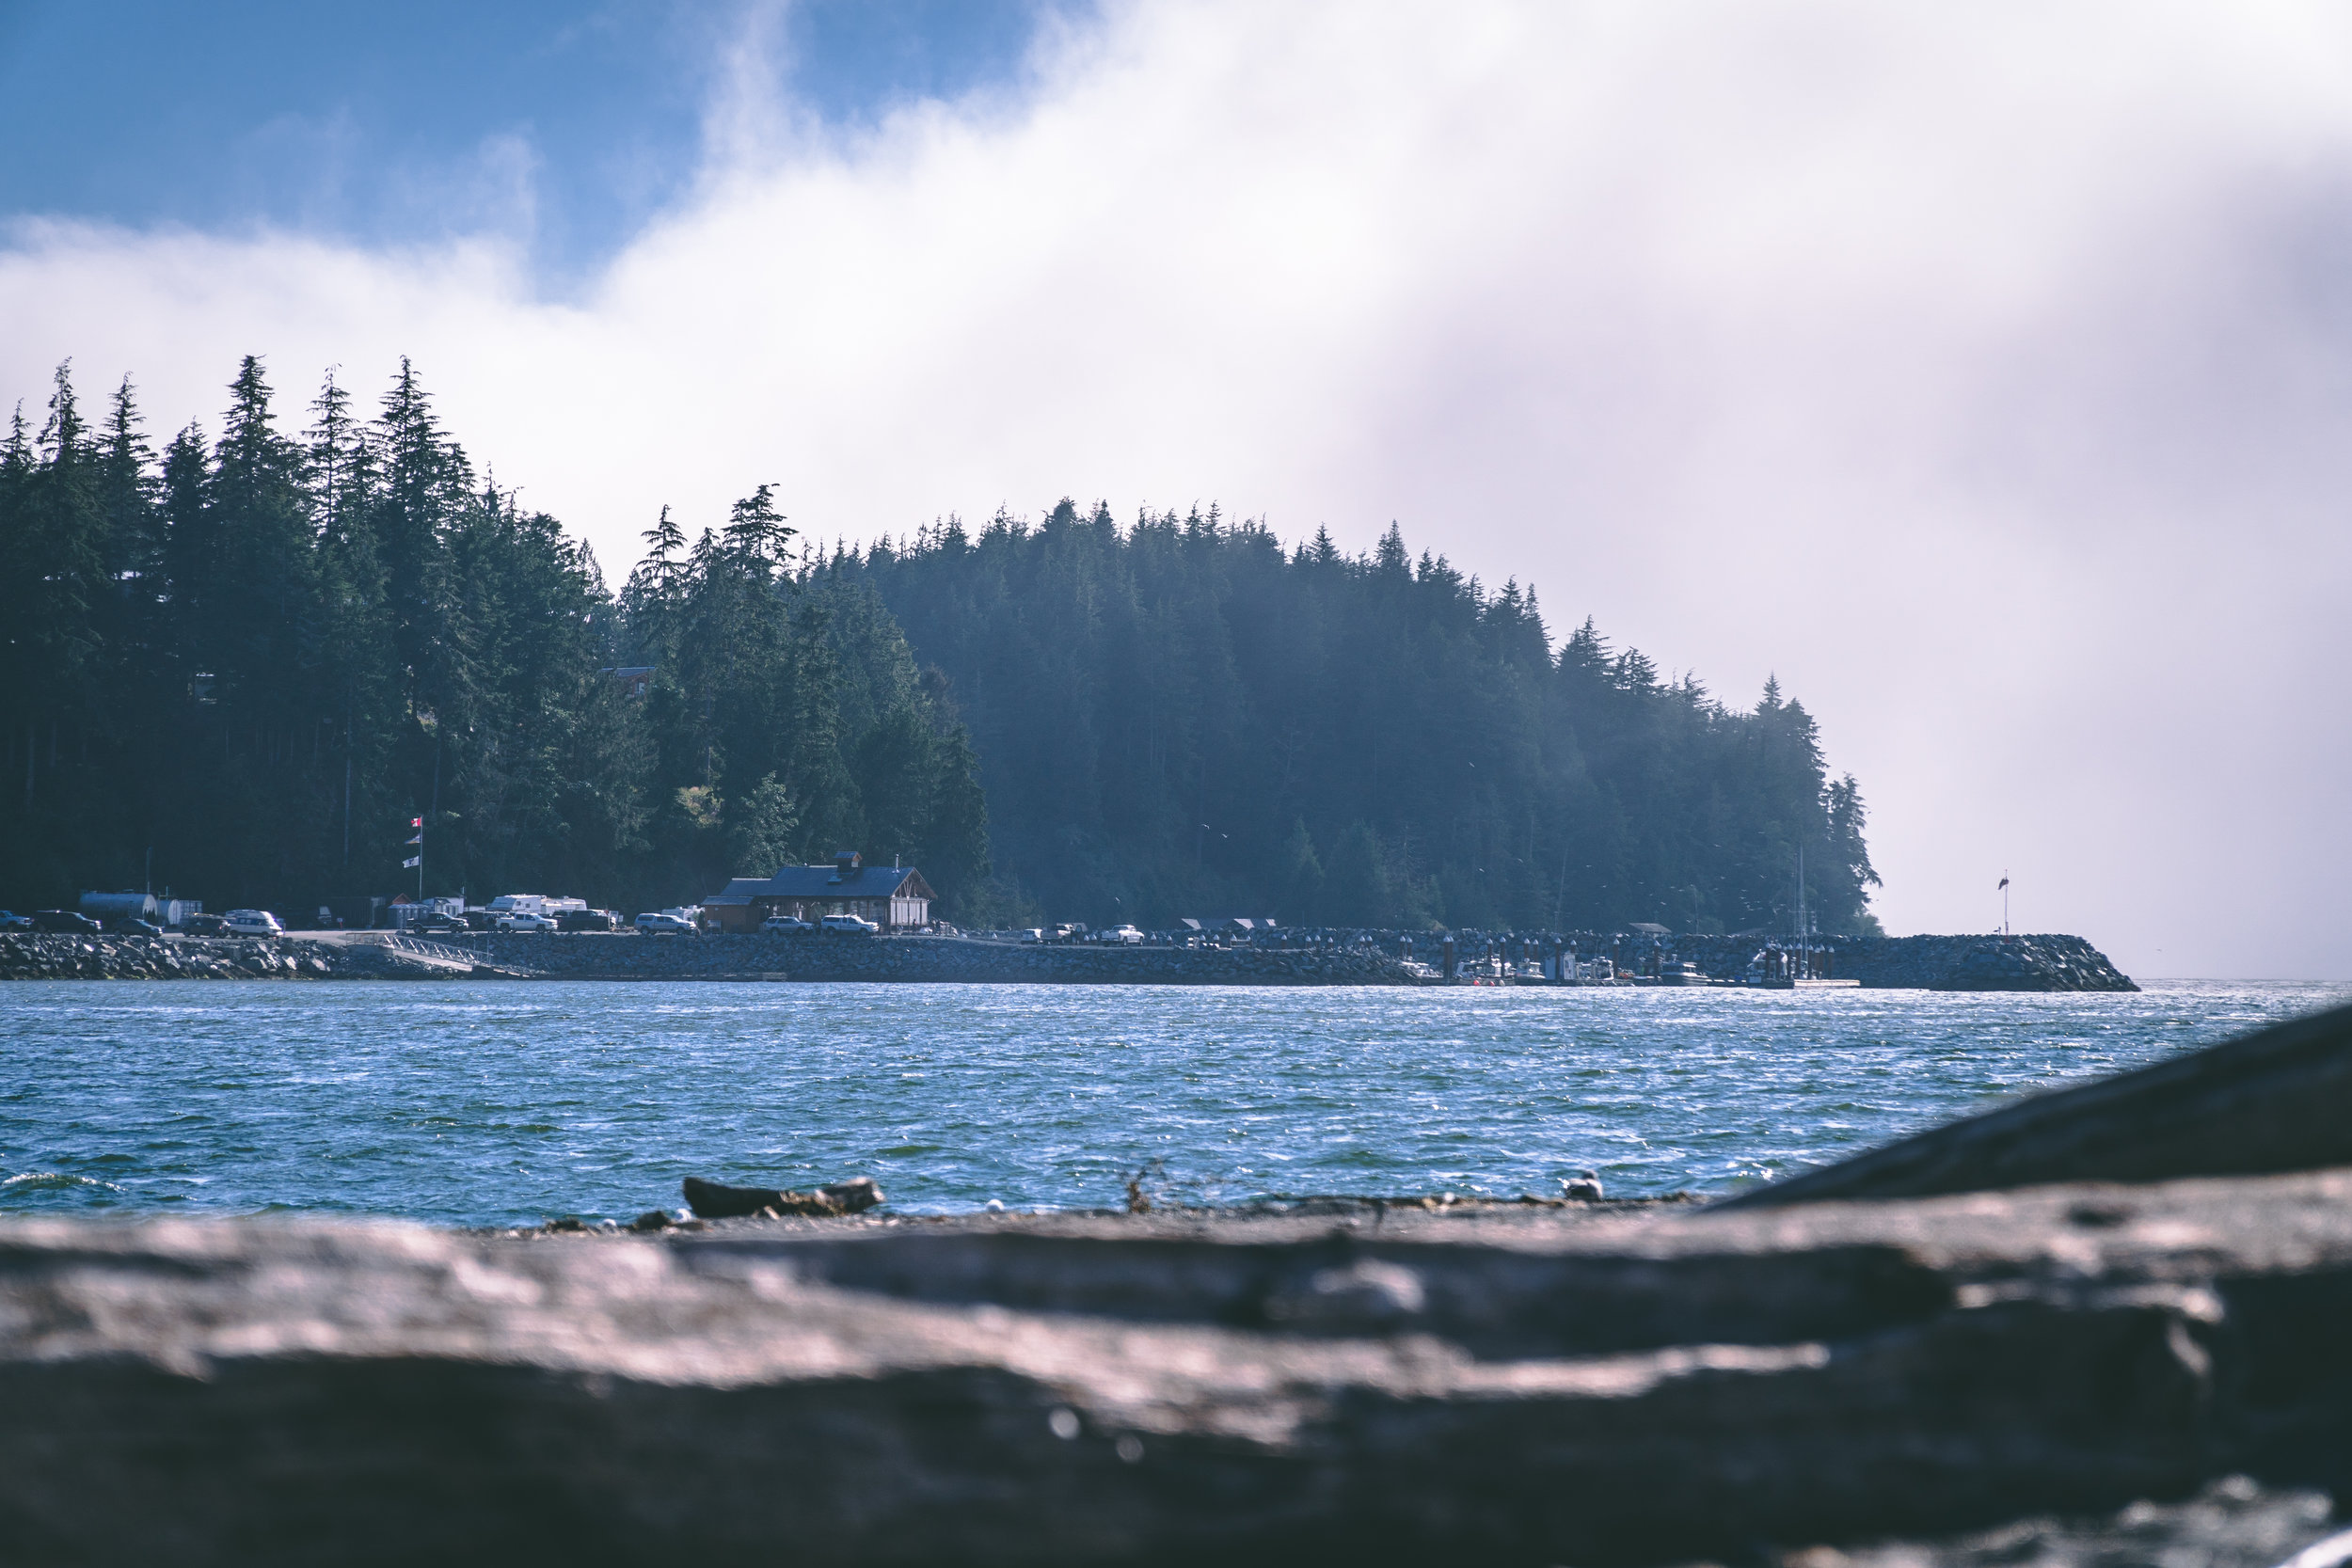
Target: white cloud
point(1981, 371)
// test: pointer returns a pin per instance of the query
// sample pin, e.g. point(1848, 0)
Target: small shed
point(893, 897)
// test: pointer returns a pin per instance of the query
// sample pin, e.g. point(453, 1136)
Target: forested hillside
point(248, 661)
point(1180, 717)
point(242, 664)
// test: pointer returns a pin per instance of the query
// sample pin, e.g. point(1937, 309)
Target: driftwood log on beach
point(711, 1200)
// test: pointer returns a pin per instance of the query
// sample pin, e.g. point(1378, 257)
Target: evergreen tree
point(765, 825)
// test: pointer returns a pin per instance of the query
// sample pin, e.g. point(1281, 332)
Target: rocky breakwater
point(107, 958)
point(827, 955)
point(2041, 962)
point(2047, 963)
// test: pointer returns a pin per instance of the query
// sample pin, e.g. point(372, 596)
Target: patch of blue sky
point(563, 124)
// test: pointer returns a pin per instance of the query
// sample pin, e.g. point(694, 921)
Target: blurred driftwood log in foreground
point(1500, 1385)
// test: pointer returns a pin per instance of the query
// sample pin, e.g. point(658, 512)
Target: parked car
point(131, 926)
point(852, 923)
point(587, 920)
point(65, 922)
point(786, 923)
point(11, 921)
point(440, 924)
point(254, 923)
point(524, 919)
point(654, 924)
point(1033, 934)
point(205, 925)
point(1119, 934)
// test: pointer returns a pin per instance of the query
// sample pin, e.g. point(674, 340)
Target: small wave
point(55, 1179)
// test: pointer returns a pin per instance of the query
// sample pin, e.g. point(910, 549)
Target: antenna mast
point(1804, 926)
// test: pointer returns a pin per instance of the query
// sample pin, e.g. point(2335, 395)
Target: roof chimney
point(845, 864)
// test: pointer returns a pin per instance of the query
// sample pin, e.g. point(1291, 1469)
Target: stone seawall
point(2028, 963)
point(823, 956)
point(2013, 963)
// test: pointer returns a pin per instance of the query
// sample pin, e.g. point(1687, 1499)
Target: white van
point(253, 922)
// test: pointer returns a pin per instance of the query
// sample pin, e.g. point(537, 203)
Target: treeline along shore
point(2014, 963)
point(276, 663)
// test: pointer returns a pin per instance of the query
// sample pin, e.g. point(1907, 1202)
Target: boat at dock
point(1682, 972)
point(1797, 967)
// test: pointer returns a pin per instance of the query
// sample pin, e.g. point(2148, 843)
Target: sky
point(1983, 374)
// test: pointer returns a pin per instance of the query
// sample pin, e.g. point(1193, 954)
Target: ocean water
point(498, 1103)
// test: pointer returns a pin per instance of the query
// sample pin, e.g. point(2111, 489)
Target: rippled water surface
point(491, 1102)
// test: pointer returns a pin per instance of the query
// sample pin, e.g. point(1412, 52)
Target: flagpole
point(418, 858)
